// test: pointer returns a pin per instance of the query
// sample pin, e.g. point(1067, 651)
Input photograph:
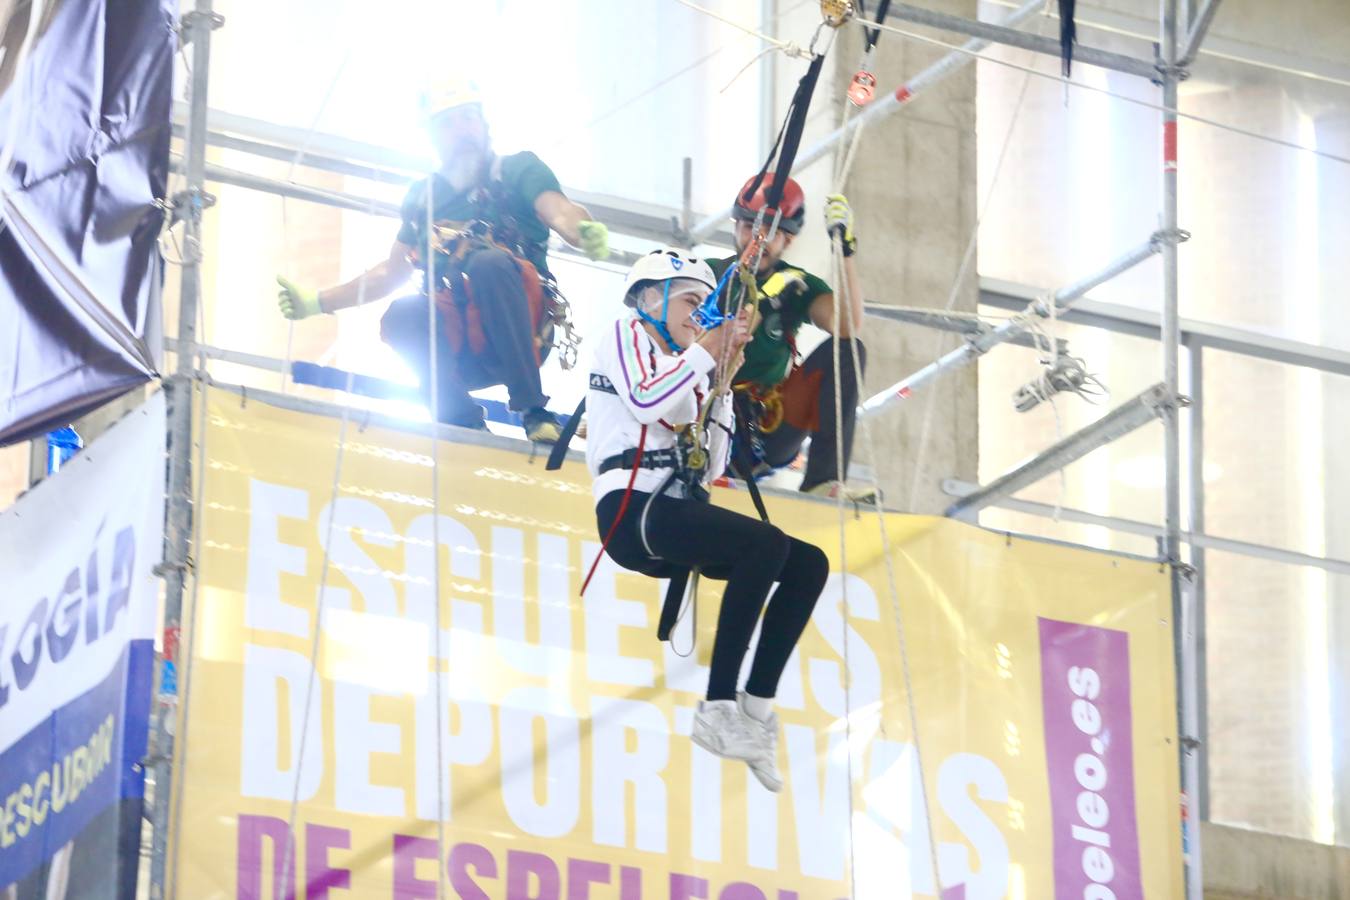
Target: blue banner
point(76, 765)
point(77, 623)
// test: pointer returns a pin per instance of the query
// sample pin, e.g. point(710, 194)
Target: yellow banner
point(556, 736)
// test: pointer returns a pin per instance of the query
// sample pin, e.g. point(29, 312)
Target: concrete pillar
point(913, 190)
point(915, 183)
point(1248, 865)
point(1332, 131)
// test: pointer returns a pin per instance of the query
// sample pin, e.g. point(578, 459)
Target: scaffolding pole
point(1198, 29)
point(1185, 642)
point(338, 199)
point(188, 206)
point(1131, 414)
point(885, 106)
point(1195, 453)
point(977, 346)
point(942, 321)
point(1001, 34)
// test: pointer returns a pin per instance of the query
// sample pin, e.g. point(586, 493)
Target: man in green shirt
point(785, 400)
point(487, 313)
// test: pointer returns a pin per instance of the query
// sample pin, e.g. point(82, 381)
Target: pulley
point(836, 12)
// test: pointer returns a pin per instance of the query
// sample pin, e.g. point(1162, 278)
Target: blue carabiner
point(709, 315)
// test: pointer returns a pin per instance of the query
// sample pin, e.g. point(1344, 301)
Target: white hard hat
point(447, 94)
point(666, 264)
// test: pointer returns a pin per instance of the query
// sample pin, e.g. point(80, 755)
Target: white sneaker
point(723, 730)
point(765, 761)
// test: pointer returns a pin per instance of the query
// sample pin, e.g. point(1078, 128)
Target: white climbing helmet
point(669, 263)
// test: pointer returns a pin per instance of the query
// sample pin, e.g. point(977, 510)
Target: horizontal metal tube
point(1000, 34)
point(1198, 29)
point(369, 161)
point(959, 325)
point(224, 175)
point(1118, 422)
point(976, 346)
point(1146, 323)
point(252, 360)
point(956, 488)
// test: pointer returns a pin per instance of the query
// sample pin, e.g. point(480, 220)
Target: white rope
point(1052, 331)
point(1157, 107)
point(841, 473)
point(745, 68)
point(657, 85)
point(337, 474)
point(1060, 374)
point(290, 179)
point(886, 554)
point(434, 380)
point(319, 607)
point(787, 47)
point(841, 478)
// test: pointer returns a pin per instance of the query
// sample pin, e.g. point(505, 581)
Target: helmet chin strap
point(660, 326)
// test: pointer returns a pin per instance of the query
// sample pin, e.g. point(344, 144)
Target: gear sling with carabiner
point(460, 315)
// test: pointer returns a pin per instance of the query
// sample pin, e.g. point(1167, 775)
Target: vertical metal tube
point(1182, 598)
point(1196, 518)
point(1171, 335)
point(686, 202)
point(197, 28)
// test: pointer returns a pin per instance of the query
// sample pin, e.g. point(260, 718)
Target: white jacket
point(653, 388)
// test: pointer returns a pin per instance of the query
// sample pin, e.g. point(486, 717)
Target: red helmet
point(793, 204)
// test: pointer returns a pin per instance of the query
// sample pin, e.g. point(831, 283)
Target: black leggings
point(749, 555)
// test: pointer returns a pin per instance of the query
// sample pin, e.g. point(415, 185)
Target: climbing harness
point(450, 245)
point(493, 227)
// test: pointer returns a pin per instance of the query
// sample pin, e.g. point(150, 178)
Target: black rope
point(1068, 34)
point(792, 139)
point(788, 140)
point(872, 35)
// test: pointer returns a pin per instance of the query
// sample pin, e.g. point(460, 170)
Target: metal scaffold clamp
point(163, 569)
point(193, 21)
point(1175, 71)
point(1169, 237)
point(189, 204)
point(1159, 399)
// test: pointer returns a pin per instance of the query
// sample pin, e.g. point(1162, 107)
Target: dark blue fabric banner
point(84, 154)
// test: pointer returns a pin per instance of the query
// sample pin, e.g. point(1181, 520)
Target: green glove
point(594, 239)
point(297, 302)
point(839, 222)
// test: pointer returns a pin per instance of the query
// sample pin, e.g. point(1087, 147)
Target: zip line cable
point(1068, 82)
point(981, 54)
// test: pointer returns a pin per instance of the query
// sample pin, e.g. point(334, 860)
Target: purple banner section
point(1085, 691)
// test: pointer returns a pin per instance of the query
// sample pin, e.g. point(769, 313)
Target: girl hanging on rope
point(649, 378)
